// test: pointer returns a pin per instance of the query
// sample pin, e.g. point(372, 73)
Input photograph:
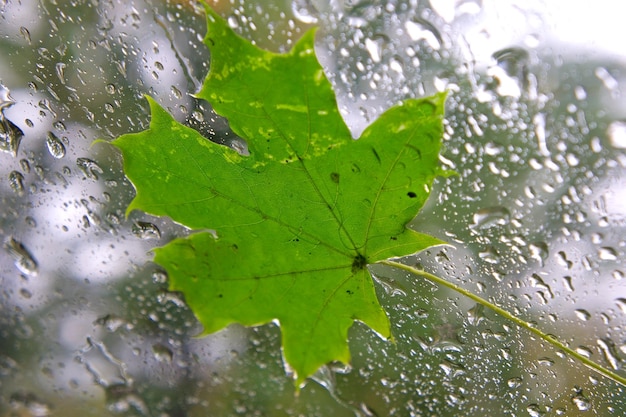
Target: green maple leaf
point(298, 220)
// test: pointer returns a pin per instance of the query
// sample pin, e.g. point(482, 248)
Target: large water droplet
point(489, 255)
point(22, 257)
point(421, 29)
point(534, 410)
point(10, 136)
point(90, 168)
point(514, 382)
point(145, 230)
point(55, 146)
point(610, 354)
point(581, 402)
point(16, 181)
point(538, 251)
point(162, 353)
point(582, 314)
point(511, 71)
point(537, 282)
point(607, 254)
point(60, 70)
point(490, 216)
point(375, 46)
point(476, 314)
point(25, 33)
point(304, 11)
point(111, 322)
point(617, 134)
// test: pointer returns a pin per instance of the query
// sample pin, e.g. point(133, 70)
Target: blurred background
point(535, 126)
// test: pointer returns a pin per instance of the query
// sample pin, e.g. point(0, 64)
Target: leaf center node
point(359, 263)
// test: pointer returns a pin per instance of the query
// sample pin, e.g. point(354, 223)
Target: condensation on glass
point(535, 220)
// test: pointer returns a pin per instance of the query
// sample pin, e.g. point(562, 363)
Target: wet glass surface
point(535, 127)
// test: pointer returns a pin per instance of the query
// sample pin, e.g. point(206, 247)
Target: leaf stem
point(503, 313)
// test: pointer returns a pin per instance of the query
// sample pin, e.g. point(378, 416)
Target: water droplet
point(111, 322)
point(581, 402)
point(10, 136)
point(580, 93)
point(537, 282)
point(22, 258)
point(16, 181)
point(452, 369)
point(421, 29)
point(607, 254)
point(177, 93)
point(233, 21)
point(305, 11)
point(538, 251)
point(55, 146)
point(617, 134)
point(515, 382)
point(621, 303)
point(562, 259)
point(489, 255)
point(476, 314)
point(25, 33)
point(110, 88)
point(60, 126)
point(122, 399)
point(490, 216)
point(375, 46)
point(584, 350)
point(145, 230)
point(172, 297)
point(607, 79)
point(510, 70)
point(608, 351)
point(162, 353)
point(198, 115)
point(390, 286)
point(89, 167)
point(159, 277)
point(582, 314)
point(534, 410)
point(28, 404)
point(60, 70)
